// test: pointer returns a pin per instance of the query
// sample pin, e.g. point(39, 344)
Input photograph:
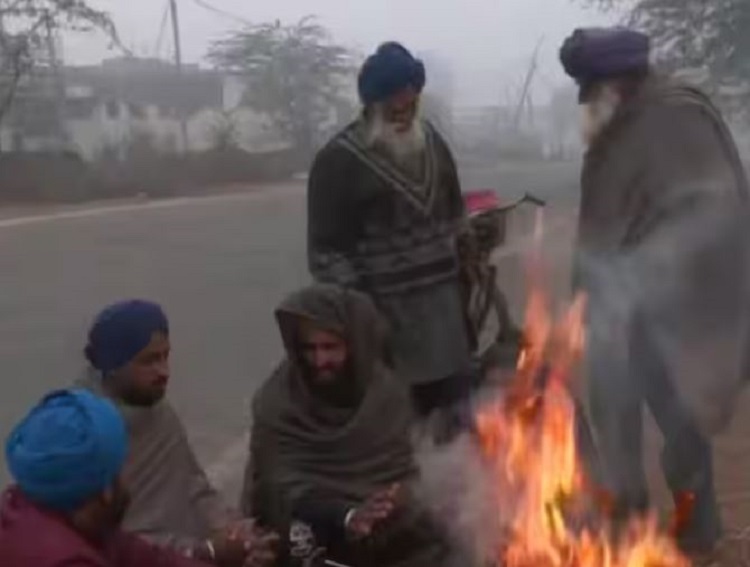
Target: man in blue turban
point(663, 259)
point(69, 500)
point(172, 501)
point(384, 213)
point(128, 344)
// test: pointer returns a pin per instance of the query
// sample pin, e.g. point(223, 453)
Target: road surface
point(219, 266)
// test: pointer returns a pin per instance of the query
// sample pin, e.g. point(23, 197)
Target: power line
point(220, 12)
point(162, 29)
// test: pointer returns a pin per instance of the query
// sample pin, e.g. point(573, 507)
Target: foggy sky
point(487, 42)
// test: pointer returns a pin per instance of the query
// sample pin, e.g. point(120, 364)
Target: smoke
point(463, 493)
point(678, 303)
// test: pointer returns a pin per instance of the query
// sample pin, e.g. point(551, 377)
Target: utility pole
point(178, 64)
point(57, 79)
point(525, 98)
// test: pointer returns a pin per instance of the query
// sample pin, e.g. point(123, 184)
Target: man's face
point(401, 109)
point(393, 128)
point(143, 381)
point(324, 353)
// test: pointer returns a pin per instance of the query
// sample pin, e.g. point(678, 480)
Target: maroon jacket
point(32, 537)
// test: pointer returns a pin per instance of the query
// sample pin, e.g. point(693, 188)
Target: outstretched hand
point(261, 549)
point(245, 545)
point(378, 508)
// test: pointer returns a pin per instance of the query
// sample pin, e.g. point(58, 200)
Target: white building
point(108, 109)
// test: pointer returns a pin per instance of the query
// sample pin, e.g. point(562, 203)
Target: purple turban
point(388, 71)
point(68, 449)
point(121, 331)
point(593, 54)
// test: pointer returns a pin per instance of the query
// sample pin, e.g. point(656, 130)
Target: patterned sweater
point(372, 227)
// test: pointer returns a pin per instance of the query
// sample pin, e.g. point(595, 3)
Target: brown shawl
point(301, 447)
point(664, 239)
point(299, 444)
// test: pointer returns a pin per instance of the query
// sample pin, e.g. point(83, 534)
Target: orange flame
point(529, 441)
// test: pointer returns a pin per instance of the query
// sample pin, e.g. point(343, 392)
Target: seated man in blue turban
point(172, 501)
point(384, 212)
point(69, 500)
point(662, 258)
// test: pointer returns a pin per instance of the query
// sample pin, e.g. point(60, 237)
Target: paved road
point(219, 266)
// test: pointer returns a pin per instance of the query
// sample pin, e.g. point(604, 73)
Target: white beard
point(597, 114)
point(405, 148)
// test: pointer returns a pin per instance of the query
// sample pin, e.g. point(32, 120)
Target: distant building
point(107, 108)
point(492, 130)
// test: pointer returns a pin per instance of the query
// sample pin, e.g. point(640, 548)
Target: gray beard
point(405, 149)
point(597, 115)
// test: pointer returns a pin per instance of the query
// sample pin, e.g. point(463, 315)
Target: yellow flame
point(529, 440)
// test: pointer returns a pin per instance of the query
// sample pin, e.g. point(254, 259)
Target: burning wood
point(529, 441)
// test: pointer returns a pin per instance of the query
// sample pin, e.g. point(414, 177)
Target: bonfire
point(528, 438)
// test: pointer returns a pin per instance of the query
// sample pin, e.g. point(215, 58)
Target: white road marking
point(159, 204)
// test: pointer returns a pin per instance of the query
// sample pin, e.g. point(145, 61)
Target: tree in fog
point(564, 117)
point(710, 36)
point(294, 73)
point(225, 132)
point(27, 29)
point(438, 111)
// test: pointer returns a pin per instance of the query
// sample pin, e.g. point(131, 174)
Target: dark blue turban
point(388, 71)
point(594, 54)
point(121, 331)
point(68, 449)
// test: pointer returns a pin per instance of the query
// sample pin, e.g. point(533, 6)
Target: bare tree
point(709, 36)
point(26, 29)
point(225, 134)
point(294, 73)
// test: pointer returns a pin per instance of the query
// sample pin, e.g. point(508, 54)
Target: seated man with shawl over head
point(331, 449)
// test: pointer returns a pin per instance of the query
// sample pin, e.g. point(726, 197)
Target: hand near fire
point(243, 545)
point(261, 549)
point(365, 519)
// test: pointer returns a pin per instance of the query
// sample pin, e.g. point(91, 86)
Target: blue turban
point(593, 54)
point(388, 71)
point(68, 449)
point(121, 331)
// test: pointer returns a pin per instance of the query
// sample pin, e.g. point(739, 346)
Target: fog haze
point(488, 43)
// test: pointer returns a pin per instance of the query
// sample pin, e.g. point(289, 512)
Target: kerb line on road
point(104, 210)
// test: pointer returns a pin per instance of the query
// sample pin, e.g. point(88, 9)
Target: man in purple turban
point(662, 257)
point(172, 501)
point(384, 212)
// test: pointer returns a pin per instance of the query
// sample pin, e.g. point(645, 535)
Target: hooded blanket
point(302, 448)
